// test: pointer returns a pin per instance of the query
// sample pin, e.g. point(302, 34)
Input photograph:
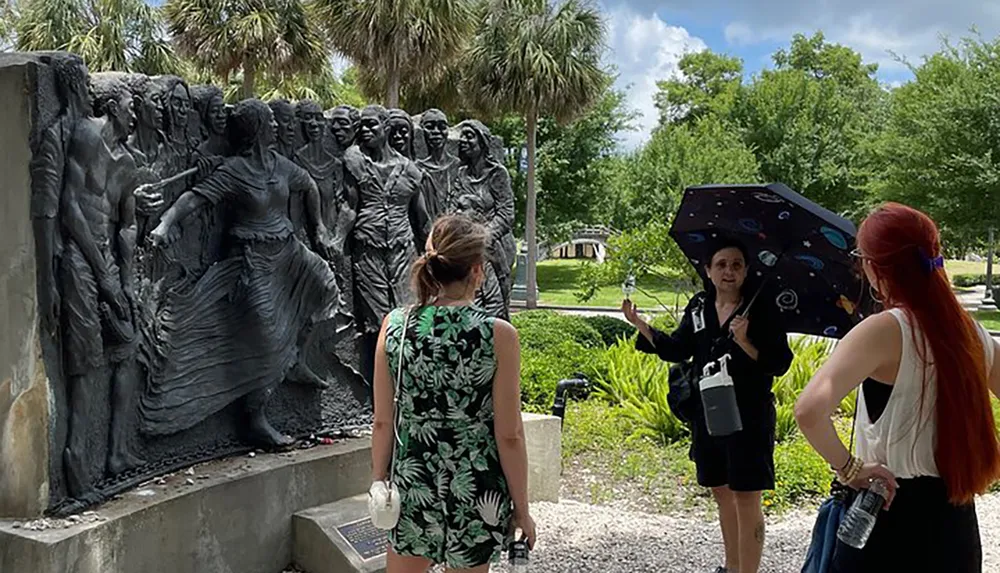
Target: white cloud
point(645, 50)
point(882, 32)
point(740, 34)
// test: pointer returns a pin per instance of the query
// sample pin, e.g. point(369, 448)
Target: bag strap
point(395, 395)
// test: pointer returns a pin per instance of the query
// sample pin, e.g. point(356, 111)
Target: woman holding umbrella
point(728, 319)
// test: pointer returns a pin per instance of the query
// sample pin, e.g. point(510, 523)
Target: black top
point(752, 379)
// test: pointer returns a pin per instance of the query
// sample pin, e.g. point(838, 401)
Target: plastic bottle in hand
point(628, 287)
point(518, 553)
point(859, 521)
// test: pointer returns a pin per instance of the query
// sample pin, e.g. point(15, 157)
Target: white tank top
point(903, 438)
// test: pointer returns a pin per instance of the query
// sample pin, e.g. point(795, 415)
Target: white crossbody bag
point(383, 497)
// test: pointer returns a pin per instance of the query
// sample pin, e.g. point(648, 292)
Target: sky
point(646, 38)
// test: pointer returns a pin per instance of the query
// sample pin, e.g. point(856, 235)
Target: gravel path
point(602, 539)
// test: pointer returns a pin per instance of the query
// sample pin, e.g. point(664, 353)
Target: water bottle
point(628, 287)
point(518, 553)
point(718, 398)
point(859, 520)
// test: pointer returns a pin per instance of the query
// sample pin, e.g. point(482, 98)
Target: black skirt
point(922, 531)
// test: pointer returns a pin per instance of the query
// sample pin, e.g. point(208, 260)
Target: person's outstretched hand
point(631, 313)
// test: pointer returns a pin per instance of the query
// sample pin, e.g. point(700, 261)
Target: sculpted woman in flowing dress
point(482, 190)
point(236, 333)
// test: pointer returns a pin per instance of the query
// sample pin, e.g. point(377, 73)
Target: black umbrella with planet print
point(799, 251)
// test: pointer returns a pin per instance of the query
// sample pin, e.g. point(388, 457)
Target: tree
point(822, 60)
point(119, 35)
point(648, 186)
point(324, 87)
point(251, 36)
point(812, 122)
point(396, 39)
point(709, 83)
point(573, 165)
point(941, 150)
point(534, 59)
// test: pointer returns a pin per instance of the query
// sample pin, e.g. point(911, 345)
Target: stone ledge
point(232, 515)
point(235, 520)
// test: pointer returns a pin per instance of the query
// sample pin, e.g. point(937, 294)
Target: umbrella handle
point(760, 289)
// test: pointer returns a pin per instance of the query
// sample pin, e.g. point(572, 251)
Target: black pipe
point(569, 388)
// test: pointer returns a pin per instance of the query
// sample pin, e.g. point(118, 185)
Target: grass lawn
point(558, 283)
point(990, 319)
point(964, 268)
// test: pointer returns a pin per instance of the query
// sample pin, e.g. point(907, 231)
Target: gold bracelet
point(851, 471)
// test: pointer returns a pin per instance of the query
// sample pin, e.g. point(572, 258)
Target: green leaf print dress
point(456, 508)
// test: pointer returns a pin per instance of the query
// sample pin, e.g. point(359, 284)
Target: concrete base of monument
point(242, 515)
point(339, 538)
point(227, 516)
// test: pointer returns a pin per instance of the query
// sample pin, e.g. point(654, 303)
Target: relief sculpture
point(213, 277)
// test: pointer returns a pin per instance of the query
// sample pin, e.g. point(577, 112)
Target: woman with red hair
point(924, 423)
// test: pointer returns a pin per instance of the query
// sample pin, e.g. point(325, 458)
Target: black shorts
point(744, 461)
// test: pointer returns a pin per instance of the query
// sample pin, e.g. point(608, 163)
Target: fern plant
point(639, 383)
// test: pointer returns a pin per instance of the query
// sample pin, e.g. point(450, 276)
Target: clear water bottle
point(628, 287)
point(518, 553)
point(859, 521)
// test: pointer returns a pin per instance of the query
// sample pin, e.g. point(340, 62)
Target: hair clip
point(932, 264)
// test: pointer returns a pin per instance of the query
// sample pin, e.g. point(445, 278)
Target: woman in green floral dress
point(459, 462)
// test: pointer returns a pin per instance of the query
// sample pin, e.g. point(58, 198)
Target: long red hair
point(902, 246)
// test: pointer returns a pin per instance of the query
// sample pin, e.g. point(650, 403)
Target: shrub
point(810, 353)
point(664, 322)
point(554, 347)
point(544, 328)
point(968, 281)
point(610, 328)
point(542, 369)
point(800, 475)
point(639, 383)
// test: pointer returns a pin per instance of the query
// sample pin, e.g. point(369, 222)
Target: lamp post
point(988, 302)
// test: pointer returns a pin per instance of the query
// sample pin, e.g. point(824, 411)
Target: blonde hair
point(455, 246)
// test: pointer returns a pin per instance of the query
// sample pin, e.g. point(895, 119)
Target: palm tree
point(119, 35)
point(251, 36)
point(533, 58)
point(398, 38)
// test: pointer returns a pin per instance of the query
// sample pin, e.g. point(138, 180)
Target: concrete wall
point(24, 393)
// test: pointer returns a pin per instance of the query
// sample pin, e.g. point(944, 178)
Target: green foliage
point(967, 281)
point(664, 322)
point(249, 36)
point(611, 329)
point(809, 354)
point(397, 41)
point(573, 164)
point(710, 85)
point(638, 383)
point(554, 347)
point(110, 35)
point(537, 58)
point(649, 184)
point(541, 329)
point(801, 475)
point(643, 252)
point(939, 150)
